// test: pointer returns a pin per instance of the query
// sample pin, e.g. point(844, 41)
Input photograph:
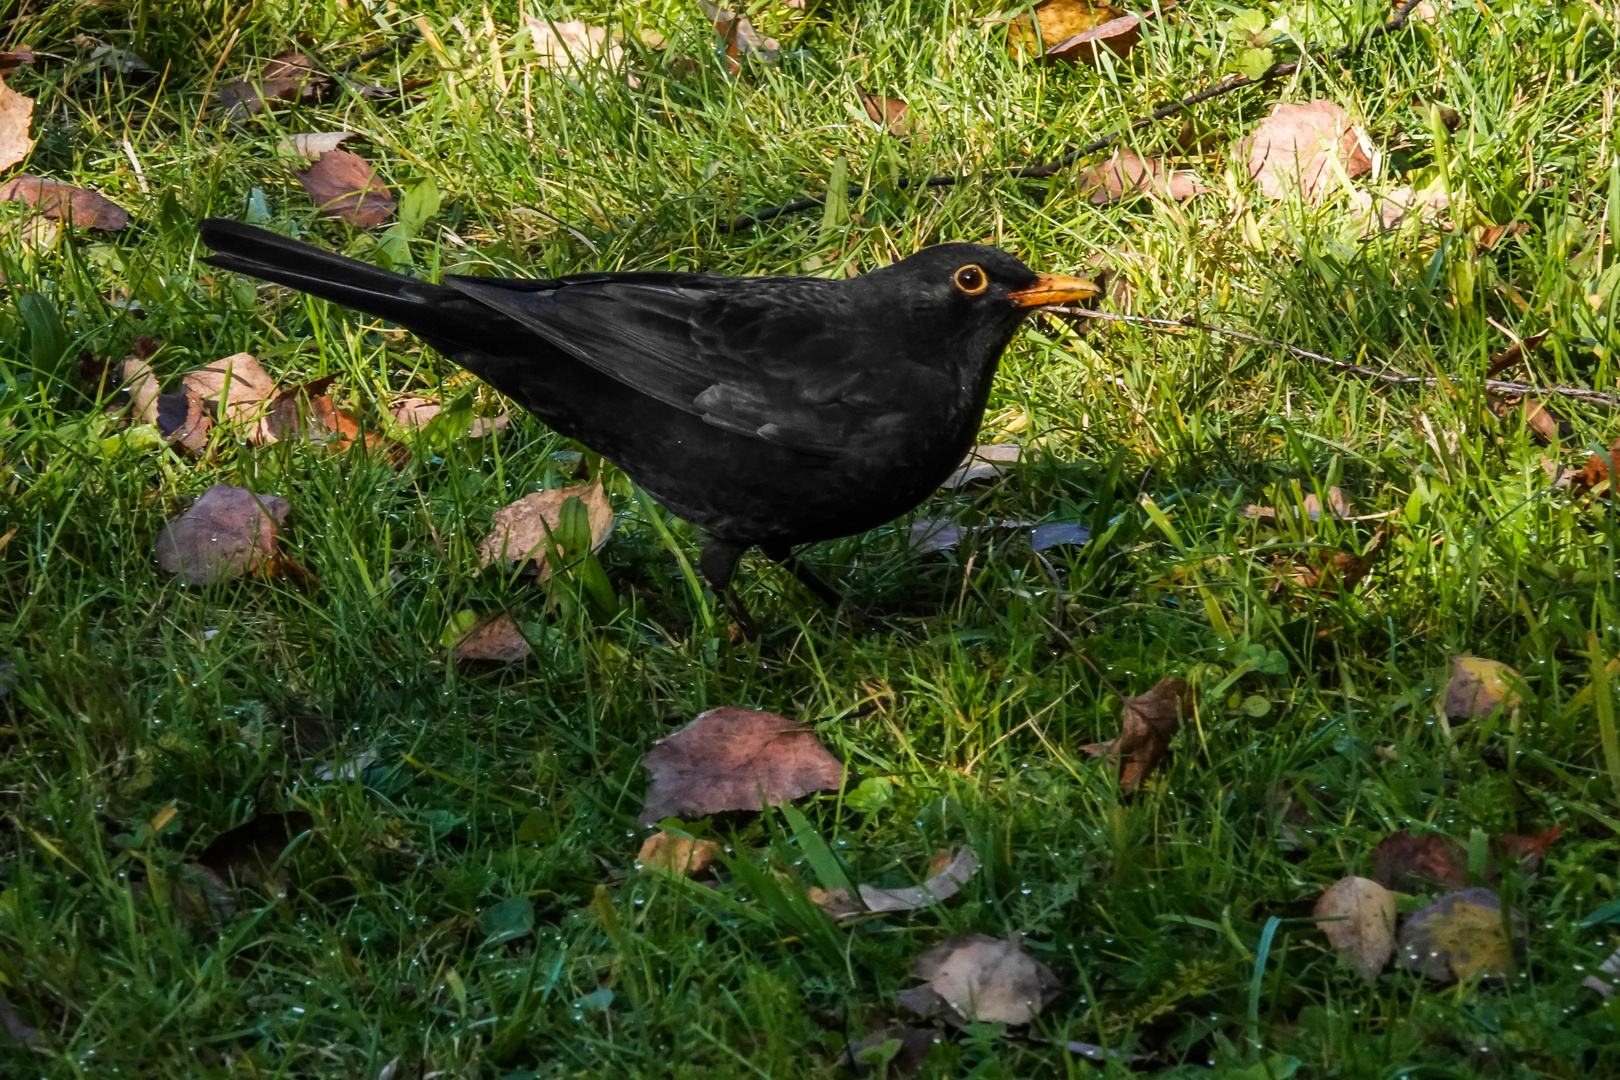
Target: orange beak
point(1054, 289)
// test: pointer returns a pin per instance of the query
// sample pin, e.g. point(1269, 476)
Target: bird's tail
point(382, 293)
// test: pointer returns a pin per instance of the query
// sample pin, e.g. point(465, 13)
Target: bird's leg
point(807, 577)
point(719, 564)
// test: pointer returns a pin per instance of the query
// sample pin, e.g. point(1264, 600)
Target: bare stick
point(1052, 168)
point(1397, 378)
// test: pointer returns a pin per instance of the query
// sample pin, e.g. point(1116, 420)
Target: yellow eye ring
point(971, 279)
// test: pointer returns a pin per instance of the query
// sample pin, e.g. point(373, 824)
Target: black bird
point(768, 411)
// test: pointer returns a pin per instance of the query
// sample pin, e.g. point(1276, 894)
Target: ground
point(462, 898)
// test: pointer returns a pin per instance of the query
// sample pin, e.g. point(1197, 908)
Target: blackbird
point(768, 411)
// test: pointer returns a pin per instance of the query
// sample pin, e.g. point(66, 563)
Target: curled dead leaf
point(1596, 470)
point(1126, 173)
point(287, 76)
point(1547, 424)
point(891, 114)
point(308, 412)
point(523, 528)
point(228, 531)
point(181, 420)
point(1055, 22)
point(143, 390)
point(312, 144)
point(940, 886)
point(681, 855)
point(1119, 36)
point(1147, 724)
point(344, 186)
point(733, 758)
point(64, 202)
point(237, 390)
point(1290, 151)
point(1359, 920)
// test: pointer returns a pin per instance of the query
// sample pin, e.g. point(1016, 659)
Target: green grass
point(131, 693)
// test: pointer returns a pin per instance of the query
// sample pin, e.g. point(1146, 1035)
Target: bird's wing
point(767, 358)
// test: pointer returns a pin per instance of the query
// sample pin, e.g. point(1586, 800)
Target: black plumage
point(768, 411)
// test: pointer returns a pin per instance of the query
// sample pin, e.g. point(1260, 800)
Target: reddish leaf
point(64, 202)
point(888, 113)
point(1147, 725)
point(523, 528)
point(226, 532)
point(733, 758)
point(1407, 863)
point(344, 186)
point(1127, 173)
point(1289, 151)
point(181, 420)
point(307, 411)
point(287, 76)
point(1529, 848)
point(497, 640)
point(1119, 36)
point(1596, 470)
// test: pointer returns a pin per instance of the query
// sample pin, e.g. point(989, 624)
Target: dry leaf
point(888, 113)
point(226, 532)
point(941, 886)
point(522, 528)
point(238, 391)
point(1406, 863)
point(1491, 235)
point(64, 202)
point(733, 758)
point(1460, 936)
point(1119, 36)
point(1290, 150)
point(677, 854)
point(1545, 423)
point(908, 1058)
point(497, 639)
point(1596, 471)
point(572, 44)
point(180, 419)
point(312, 144)
point(983, 463)
point(1363, 923)
point(1529, 848)
point(1396, 206)
point(308, 411)
point(16, 114)
point(250, 853)
point(1147, 725)
point(1478, 687)
point(935, 534)
point(1127, 173)
point(12, 59)
point(1058, 21)
point(415, 413)
point(344, 186)
point(287, 76)
point(740, 36)
point(980, 978)
point(1320, 573)
point(143, 390)
point(1337, 506)
point(838, 902)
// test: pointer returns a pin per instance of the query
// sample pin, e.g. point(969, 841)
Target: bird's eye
point(971, 280)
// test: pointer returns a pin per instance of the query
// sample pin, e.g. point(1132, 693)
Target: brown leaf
point(249, 853)
point(16, 114)
point(1491, 235)
point(201, 897)
point(732, 758)
point(1459, 936)
point(1363, 923)
point(12, 59)
point(678, 854)
point(181, 419)
point(522, 528)
point(344, 186)
point(1337, 506)
point(1478, 687)
point(1342, 568)
point(1127, 173)
point(838, 902)
point(308, 411)
point(1529, 848)
point(1596, 471)
point(908, 1059)
point(1058, 21)
point(1500, 362)
point(940, 886)
point(415, 413)
point(143, 390)
point(226, 532)
point(888, 113)
point(561, 45)
point(935, 534)
point(312, 144)
point(64, 202)
point(982, 978)
point(497, 639)
point(1119, 36)
point(1290, 150)
point(1406, 863)
point(1546, 424)
point(287, 76)
point(237, 390)
point(1147, 725)
point(983, 463)
point(740, 36)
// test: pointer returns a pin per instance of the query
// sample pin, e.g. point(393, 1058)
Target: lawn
point(272, 827)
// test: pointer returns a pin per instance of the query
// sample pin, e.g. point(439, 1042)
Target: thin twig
point(1397, 378)
point(1052, 168)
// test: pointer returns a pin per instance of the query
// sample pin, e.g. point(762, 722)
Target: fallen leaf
point(740, 36)
point(523, 527)
point(1127, 173)
point(488, 425)
point(1321, 572)
point(1148, 723)
point(343, 186)
point(733, 758)
point(981, 978)
point(250, 853)
point(180, 419)
point(1290, 150)
point(1529, 848)
point(307, 411)
point(508, 920)
point(349, 769)
point(983, 463)
point(1545, 423)
point(238, 391)
point(415, 413)
point(1478, 687)
point(1508, 357)
point(497, 639)
point(1119, 36)
point(12, 59)
point(888, 113)
point(143, 390)
point(677, 854)
point(1058, 534)
point(1396, 206)
point(935, 534)
point(940, 887)
point(1407, 864)
point(560, 45)
point(897, 1050)
point(123, 61)
point(1596, 470)
point(226, 532)
point(201, 897)
point(312, 144)
point(1057, 21)
point(16, 114)
point(64, 202)
point(1362, 926)
point(1337, 506)
point(1491, 235)
point(838, 902)
point(287, 76)
point(1460, 936)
